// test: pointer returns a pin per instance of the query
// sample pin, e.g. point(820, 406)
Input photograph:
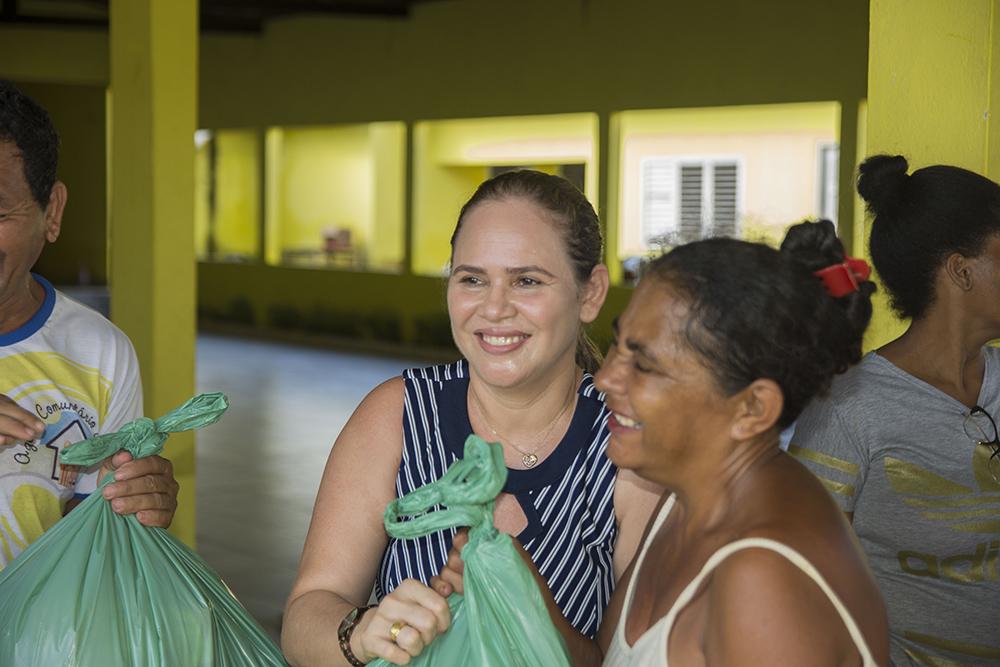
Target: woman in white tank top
point(749, 561)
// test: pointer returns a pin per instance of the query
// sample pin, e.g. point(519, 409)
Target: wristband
point(345, 631)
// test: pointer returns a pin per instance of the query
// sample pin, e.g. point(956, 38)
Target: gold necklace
point(528, 459)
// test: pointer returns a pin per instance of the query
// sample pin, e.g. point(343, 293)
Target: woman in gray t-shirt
point(906, 441)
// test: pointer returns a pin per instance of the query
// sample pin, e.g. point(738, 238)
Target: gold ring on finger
point(395, 629)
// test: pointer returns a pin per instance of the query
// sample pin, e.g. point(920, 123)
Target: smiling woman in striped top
point(526, 278)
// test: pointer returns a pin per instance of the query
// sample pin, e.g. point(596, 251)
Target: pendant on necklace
point(529, 460)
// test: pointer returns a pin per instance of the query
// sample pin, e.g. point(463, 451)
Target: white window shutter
point(691, 213)
point(829, 181)
point(659, 199)
point(725, 198)
point(686, 198)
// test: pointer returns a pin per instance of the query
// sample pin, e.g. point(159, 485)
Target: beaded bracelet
point(345, 631)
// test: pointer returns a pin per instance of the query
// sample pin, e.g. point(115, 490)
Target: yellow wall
point(451, 158)
point(461, 59)
point(451, 187)
point(859, 238)
point(152, 268)
point(454, 59)
point(386, 236)
point(274, 140)
point(237, 214)
point(237, 195)
point(202, 211)
point(469, 59)
point(337, 177)
point(325, 182)
point(934, 95)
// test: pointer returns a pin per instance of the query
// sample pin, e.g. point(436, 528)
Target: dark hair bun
point(815, 246)
point(882, 181)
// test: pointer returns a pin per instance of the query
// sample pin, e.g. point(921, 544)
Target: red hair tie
point(844, 278)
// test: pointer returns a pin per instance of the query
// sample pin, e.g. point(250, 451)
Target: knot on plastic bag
point(467, 489)
point(140, 436)
point(144, 437)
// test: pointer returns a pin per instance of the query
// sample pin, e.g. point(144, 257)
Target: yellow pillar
point(930, 97)
point(151, 232)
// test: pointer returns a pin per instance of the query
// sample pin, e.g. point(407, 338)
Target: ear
point(54, 211)
point(758, 409)
point(594, 292)
point(958, 271)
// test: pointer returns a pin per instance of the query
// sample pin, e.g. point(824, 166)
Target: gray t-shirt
point(892, 449)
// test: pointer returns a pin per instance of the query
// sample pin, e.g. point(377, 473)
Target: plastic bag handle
point(468, 489)
point(144, 437)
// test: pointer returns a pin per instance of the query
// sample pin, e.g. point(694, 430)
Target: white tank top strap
point(796, 559)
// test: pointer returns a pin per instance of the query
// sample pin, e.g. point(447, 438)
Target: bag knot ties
point(142, 434)
point(145, 437)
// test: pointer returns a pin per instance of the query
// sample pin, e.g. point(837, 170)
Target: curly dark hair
point(756, 312)
point(921, 219)
point(27, 125)
point(575, 218)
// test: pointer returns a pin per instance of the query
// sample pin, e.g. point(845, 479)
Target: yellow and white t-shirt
point(78, 373)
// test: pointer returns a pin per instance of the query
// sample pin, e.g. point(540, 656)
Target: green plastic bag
point(501, 621)
point(102, 590)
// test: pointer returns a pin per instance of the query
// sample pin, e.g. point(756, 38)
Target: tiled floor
point(259, 468)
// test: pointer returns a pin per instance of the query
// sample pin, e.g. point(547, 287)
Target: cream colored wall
point(778, 145)
point(779, 173)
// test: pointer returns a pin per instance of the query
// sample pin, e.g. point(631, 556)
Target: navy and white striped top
point(567, 498)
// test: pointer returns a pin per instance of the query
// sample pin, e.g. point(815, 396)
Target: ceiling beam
point(230, 15)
